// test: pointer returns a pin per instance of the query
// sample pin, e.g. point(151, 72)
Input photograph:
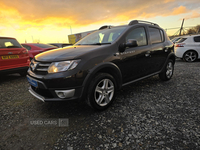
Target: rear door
point(12, 55)
point(159, 49)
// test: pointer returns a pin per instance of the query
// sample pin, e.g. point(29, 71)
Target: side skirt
point(153, 74)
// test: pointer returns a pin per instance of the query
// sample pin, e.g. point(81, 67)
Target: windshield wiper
point(83, 44)
point(94, 44)
point(99, 43)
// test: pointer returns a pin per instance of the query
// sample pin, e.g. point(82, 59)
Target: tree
point(194, 30)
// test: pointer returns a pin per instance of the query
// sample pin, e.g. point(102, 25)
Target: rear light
point(25, 51)
point(180, 45)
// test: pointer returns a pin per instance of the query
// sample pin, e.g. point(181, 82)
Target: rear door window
point(181, 40)
point(156, 35)
point(9, 43)
point(27, 47)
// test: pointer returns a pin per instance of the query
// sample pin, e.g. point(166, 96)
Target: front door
point(135, 60)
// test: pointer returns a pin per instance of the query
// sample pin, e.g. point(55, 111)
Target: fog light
point(61, 94)
point(65, 93)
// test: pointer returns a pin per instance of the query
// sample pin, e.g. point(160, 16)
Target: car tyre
point(101, 91)
point(190, 56)
point(168, 71)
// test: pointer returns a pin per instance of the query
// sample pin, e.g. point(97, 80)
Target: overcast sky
point(50, 20)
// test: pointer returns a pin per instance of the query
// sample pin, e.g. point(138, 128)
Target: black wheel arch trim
point(97, 69)
point(191, 50)
point(170, 56)
point(102, 66)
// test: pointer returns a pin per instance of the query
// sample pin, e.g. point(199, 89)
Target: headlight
point(62, 66)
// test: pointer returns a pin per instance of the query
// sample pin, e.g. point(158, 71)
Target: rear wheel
point(190, 56)
point(101, 91)
point(168, 71)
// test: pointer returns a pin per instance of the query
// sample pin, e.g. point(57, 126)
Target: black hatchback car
point(101, 63)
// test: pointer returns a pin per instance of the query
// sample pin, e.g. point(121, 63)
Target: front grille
point(40, 68)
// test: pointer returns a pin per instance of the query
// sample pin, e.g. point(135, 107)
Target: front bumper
point(14, 70)
point(47, 99)
point(45, 94)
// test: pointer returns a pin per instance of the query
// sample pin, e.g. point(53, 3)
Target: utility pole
point(70, 28)
point(32, 39)
point(198, 30)
point(181, 27)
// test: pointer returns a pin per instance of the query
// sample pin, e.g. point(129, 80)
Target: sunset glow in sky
point(50, 20)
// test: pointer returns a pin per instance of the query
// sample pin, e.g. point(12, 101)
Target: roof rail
point(104, 27)
point(141, 21)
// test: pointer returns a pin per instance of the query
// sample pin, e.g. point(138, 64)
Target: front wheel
point(168, 71)
point(101, 91)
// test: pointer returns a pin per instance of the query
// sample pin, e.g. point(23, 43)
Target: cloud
point(180, 10)
point(168, 1)
point(194, 14)
point(62, 13)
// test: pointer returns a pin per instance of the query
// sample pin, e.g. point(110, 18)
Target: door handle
point(147, 54)
point(166, 49)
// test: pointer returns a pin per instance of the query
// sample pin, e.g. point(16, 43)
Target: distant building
point(73, 38)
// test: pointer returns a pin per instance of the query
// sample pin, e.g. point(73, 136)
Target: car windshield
point(100, 37)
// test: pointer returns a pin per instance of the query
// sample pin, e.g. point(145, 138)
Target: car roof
point(33, 43)
point(59, 43)
point(187, 36)
point(129, 26)
point(2, 37)
point(132, 23)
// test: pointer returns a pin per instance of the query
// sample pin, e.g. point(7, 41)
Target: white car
point(188, 48)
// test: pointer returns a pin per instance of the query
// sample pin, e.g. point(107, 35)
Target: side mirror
point(130, 43)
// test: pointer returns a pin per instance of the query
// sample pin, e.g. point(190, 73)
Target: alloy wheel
point(169, 71)
point(104, 92)
point(190, 56)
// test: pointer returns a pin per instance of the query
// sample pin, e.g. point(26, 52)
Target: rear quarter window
point(197, 39)
point(162, 35)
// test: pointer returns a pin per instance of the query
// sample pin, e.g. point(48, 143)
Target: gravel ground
point(149, 114)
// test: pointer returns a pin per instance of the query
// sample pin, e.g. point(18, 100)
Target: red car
point(34, 48)
point(13, 57)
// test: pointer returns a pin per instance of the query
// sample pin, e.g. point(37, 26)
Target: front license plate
point(10, 57)
point(32, 82)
